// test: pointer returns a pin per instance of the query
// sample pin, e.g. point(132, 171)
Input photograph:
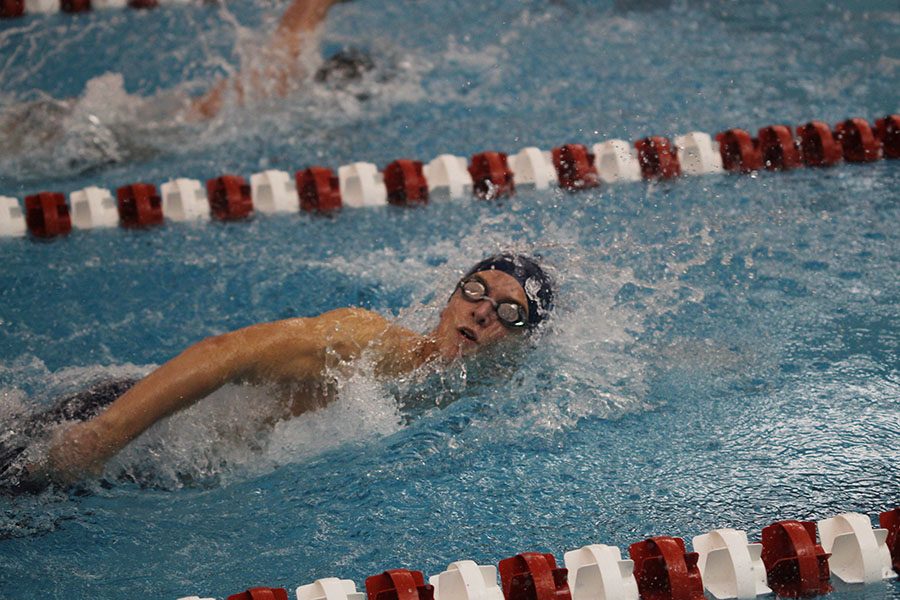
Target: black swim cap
point(537, 284)
point(344, 66)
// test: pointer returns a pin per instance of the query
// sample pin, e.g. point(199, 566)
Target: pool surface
point(725, 350)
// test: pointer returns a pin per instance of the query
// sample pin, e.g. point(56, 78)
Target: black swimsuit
point(81, 406)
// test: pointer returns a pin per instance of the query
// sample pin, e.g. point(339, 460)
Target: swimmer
point(503, 297)
point(106, 125)
point(280, 62)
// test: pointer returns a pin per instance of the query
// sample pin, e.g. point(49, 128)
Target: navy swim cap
point(537, 284)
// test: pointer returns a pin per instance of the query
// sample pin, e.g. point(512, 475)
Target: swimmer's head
point(531, 277)
point(345, 66)
point(503, 296)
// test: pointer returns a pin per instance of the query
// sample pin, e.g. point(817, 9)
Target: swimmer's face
point(467, 327)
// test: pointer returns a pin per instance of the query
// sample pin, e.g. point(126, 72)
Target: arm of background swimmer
point(282, 56)
point(301, 18)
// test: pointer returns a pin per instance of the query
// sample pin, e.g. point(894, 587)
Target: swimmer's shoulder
point(362, 326)
point(354, 330)
point(308, 344)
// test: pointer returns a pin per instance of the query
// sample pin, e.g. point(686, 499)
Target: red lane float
point(47, 215)
point(75, 6)
point(890, 520)
point(533, 576)
point(777, 148)
point(319, 190)
point(139, 4)
point(739, 151)
point(399, 584)
point(491, 176)
point(857, 140)
point(818, 148)
point(657, 158)
point(575, 167)
point(261, 593)
point(664, 570)
point(795, 564)
point(10, 9)
point(139, 205)
point(405, 183)
point(229, 198)
point(887, 130)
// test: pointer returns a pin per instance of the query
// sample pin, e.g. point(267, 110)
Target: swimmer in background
point(106, 125)
point(502, 298)
point(280, 62)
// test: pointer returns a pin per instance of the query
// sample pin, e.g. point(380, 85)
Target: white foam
point(363, 409)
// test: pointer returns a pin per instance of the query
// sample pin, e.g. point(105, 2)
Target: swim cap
point(537, 284)
point(344, 66)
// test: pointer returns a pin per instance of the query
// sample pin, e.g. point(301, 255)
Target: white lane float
point(730, 566)
point(698, 154)
point(106, 4)
point(598, 572)
point(184, 200)
point(616, 161)
point(12, 219)
point(329, 588)
point(274, 192)
point(859, 554)
point(43, 7)
point(93, 207)
point(448, 177)
point(533, 167)
point(362, 185)
point(466, 580)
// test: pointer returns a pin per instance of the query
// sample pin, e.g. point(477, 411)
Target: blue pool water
point(724, 352)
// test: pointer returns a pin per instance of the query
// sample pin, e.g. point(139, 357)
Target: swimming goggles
point(510, 314)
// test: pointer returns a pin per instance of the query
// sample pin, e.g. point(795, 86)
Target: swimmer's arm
point(298, 348)
point(194, 374)
point(286, 45)
point(300, 19)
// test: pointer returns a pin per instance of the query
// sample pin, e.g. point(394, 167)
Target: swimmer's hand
point(79, 451)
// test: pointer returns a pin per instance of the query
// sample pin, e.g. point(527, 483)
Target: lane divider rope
point(789, 561)
point(11, 9)
point(487, 175)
